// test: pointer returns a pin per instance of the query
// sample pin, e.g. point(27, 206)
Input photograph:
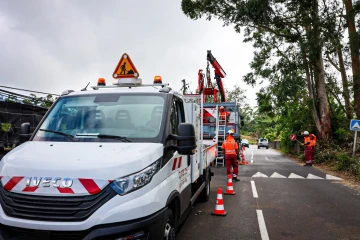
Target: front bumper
point(152, 226)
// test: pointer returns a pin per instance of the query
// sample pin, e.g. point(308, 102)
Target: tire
point(267, 147)
point(258, 147)
point(205, 193)
point(169, 226)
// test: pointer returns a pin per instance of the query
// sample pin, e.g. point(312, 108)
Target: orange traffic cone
point(243, 162)
point(219, 207)
point(229, 188)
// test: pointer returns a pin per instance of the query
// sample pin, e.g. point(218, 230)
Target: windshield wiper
point(114, 137)
point(124, 139)
point(71, 137)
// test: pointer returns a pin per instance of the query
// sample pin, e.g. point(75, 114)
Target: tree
point(44, 102)
point(237, 94)
point(354, 48)
point(275, 27)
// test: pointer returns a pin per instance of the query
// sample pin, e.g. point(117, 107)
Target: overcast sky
point(52, 46)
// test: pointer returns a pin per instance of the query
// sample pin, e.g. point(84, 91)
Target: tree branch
point(332, 62)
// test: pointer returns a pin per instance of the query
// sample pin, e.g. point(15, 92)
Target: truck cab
point(117, 163)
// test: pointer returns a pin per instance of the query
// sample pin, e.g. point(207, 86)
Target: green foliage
point(5, 127)
point(325, 155)
point(10, 98)
point(343, 161)
point(291, 39)
point(44, 102)
point(343, 135)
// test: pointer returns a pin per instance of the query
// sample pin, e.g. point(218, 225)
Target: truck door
point(182, 163)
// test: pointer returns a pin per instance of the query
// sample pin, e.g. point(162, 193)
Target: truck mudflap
point(148, 228)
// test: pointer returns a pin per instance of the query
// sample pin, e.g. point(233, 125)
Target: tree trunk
point(354, 47)
point(319, 72)
point(345, 83)
point(324, 110)
point(310, 89)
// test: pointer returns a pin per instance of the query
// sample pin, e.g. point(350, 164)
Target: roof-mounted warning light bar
point(131, 85)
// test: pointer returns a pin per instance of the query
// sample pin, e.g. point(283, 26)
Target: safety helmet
point(222, 107)
point(231, 132)
point(306, 133)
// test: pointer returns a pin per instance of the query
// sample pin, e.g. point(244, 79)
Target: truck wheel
point(169, 228)
point(205, 193)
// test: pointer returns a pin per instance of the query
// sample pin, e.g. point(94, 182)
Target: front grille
point(12, 233)
point(53, 208)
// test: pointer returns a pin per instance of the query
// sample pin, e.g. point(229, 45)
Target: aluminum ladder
point(221, 133)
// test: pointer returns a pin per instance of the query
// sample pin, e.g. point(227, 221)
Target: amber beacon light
point(101, 82)
point(157, 80)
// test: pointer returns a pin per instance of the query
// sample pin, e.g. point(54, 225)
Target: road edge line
point(262, 226)
point(253, 187)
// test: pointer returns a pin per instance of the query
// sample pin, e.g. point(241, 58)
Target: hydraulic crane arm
point(219, 74)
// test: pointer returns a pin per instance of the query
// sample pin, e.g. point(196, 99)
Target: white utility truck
point(125, 161)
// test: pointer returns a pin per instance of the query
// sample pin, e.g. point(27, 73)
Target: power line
point(29, 90)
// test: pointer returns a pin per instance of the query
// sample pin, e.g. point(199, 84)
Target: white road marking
point(310, 176)
point(293, 175)
point(262, 226)
point(252, 155)
point(331, 177)
point(259, 174)
point(254, 189)
point(266, 158)
point(277, 175)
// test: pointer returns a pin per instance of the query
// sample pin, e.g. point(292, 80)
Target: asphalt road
point(277, 199)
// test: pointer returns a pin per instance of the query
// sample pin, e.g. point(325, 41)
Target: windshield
point(104, 117)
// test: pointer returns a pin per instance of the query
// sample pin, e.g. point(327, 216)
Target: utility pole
point(185, 86)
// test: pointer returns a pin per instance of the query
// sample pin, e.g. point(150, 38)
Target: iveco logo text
point(49, 181)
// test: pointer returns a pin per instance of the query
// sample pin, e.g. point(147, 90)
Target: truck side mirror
point(25, 132)
point(186, 142)
point(188, 145)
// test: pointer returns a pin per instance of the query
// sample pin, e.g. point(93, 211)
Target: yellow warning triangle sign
point(125, 68)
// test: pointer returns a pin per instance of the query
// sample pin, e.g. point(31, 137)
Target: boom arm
point(219, 74)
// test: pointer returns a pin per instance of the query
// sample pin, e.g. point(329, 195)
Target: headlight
point(135, 181)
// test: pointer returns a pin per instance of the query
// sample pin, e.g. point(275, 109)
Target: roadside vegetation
point(308, 53)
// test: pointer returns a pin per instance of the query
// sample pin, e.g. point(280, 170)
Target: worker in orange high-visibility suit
point(242, 161)
point(231, 151)
point(224, 115)
point(310, 144)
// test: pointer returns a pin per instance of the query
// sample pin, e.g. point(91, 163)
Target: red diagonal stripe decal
point(65, 190)
point(174, 164)
point(179, 162)
point(1, 177)
point(90, 185)
point(12, 183)
point(30, 189)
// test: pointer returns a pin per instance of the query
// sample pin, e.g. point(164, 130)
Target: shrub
point(355, 168)
point(343, 161)
point(342, 135)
